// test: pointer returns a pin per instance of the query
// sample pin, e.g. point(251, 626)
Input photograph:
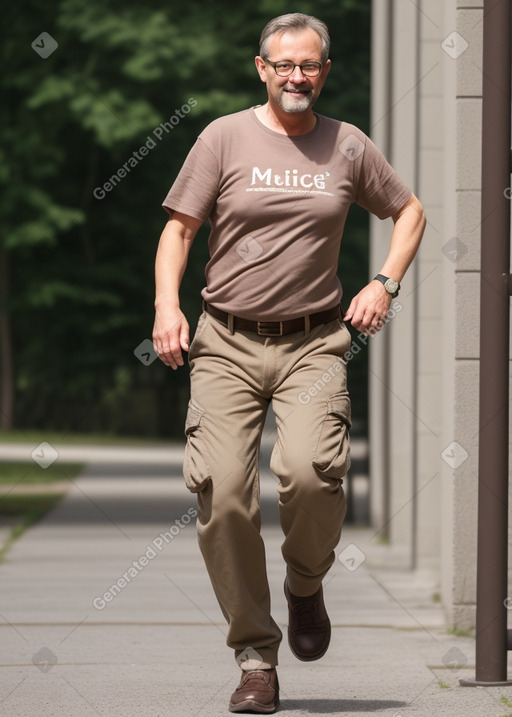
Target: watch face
point(391, 286)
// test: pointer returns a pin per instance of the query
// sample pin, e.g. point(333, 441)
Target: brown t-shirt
point(277, 206)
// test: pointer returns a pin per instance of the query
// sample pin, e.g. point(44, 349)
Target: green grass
point(22, 510)
point(24, 473)
point(100, 439)
point(26, 509)
point(460, 633)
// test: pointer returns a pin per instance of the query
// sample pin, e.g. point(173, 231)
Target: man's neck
point(290, 123)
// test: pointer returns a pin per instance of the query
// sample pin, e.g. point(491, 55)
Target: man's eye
point(284, 65)
point(310, 67)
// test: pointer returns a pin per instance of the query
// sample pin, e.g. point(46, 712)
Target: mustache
point(290, 88)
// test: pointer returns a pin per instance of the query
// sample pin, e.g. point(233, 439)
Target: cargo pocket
point(332, 453)
point(196, 468)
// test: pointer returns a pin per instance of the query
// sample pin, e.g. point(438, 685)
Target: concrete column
point(393, 354)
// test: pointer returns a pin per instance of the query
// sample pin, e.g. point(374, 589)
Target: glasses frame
point(308, 62)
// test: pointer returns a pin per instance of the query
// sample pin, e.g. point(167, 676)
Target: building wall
point(466, 278)
point(426, 118)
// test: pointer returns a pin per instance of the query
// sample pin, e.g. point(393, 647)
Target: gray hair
point(292, 22)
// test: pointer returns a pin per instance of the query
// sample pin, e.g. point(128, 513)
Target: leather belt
point(274, 328)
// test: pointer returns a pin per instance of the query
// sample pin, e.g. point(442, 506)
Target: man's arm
point(369, 308)
point(171, 329)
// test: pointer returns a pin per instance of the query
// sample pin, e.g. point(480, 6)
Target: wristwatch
point(391, 286)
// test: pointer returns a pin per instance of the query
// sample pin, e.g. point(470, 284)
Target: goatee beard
point(291, 105)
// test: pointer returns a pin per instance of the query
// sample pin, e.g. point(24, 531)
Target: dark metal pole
point(491, 612)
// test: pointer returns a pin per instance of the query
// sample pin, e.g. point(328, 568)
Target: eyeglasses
point(284, 68)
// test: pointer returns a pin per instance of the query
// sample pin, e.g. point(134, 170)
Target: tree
point(94, 136)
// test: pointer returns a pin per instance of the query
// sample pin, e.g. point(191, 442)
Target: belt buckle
point(269, 331)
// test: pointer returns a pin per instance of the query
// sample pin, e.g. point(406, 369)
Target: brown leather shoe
point(309, 627)
point(258, 691)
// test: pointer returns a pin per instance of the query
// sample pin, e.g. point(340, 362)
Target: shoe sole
point(252, 706)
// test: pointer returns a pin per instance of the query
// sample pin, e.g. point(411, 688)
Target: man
point(275, 182)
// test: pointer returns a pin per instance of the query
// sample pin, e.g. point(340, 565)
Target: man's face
point(295, 93)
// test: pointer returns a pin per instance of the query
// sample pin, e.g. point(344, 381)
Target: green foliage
point(21, 474)
point(22, 511)
point(81, 288)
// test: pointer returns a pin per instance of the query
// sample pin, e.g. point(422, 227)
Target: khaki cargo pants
point(233, 377)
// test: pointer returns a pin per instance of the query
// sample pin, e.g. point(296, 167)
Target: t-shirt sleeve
point(380, 189)
point(196, 187)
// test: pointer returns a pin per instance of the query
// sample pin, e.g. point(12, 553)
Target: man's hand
point(170, 335)
point(369, 308)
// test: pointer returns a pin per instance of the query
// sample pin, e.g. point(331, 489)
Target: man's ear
point(261, 67)
point(326, 68)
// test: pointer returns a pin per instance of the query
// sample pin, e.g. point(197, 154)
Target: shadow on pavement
point(339, 707)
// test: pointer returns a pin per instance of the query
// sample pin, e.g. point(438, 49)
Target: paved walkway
point(106, 609)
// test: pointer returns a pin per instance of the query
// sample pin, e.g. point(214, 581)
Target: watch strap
point(383, 279)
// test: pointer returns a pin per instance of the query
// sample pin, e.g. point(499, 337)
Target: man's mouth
point(296, 91)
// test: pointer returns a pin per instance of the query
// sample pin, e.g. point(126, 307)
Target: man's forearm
point(171, 258)
point(170, 264)
point(405, 239)
point(367, 308)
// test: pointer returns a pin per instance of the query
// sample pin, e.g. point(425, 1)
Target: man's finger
point(184, 338)
point(350, 311)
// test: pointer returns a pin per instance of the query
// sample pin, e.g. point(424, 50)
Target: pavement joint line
point(53, 487)
point(70, 664)
point(77, 625)
point(400, 605)
point(334, 626)
point(136, 664)
point(446, 667)
point(111, 624)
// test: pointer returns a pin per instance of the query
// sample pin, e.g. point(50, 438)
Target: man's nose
point(297, 75)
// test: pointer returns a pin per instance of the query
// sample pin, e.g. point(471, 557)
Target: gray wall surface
point(424, 367)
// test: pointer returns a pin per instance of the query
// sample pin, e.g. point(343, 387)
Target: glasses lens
point(310, 69)
point(284, 68)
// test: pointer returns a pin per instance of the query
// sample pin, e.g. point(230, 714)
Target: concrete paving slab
point(106, 609)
